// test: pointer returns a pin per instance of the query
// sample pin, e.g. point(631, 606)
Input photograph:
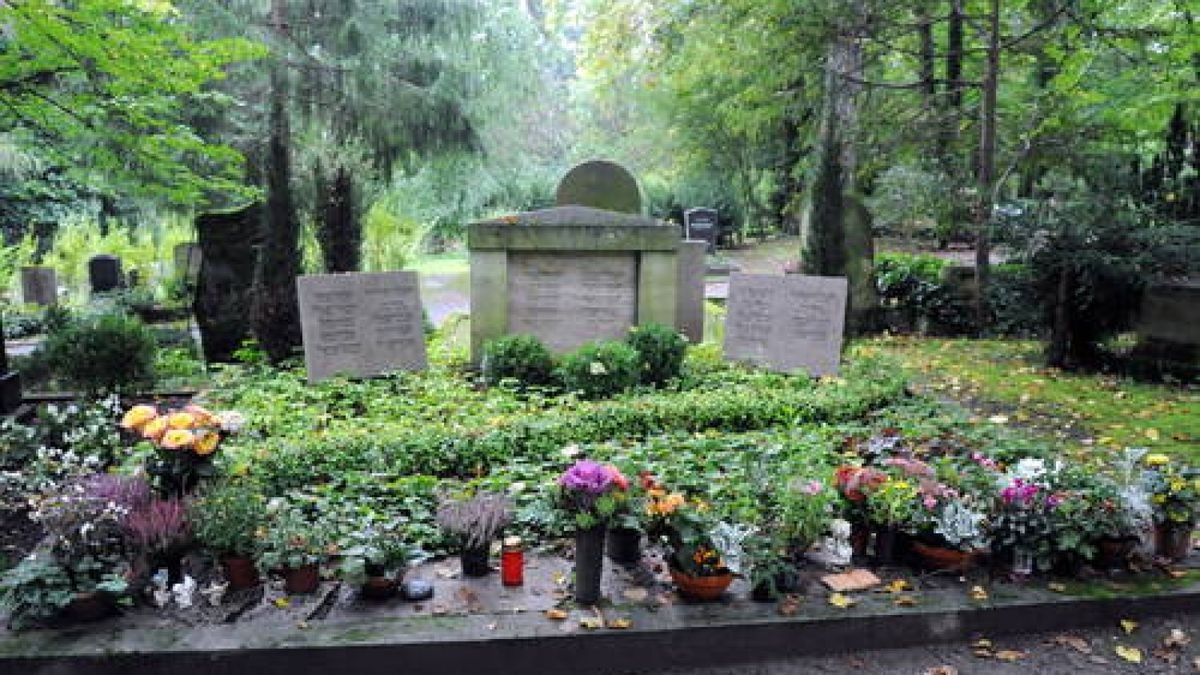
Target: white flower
point(571, 450)
point(597, 368)
point(231, 421)
point(1030, 469)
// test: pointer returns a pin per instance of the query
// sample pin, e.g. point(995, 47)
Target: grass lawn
point(454, 262)
point(1004, 381)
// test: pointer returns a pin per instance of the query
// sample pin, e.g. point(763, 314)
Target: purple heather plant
point(160, 526)
point(128, 493)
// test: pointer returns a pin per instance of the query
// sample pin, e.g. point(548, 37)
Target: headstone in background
point(187, 258)
point(39, 286)
point(786, 323)
point(361, 324)
point(600, 185)
point(690, 315)
point(860, 266)
point(1169, 329)
point(229, 240)
point(702, 224)
point(104, 273)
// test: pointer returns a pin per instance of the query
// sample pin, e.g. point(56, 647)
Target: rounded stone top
point(600, 184)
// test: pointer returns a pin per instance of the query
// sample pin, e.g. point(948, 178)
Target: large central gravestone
point(786, 323)
point(361, 324)
point(575, 273)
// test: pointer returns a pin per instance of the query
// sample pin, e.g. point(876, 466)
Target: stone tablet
point(39, 286)
point(786, 323)
point(361, 324)
point(104, 273)
point(600, 185)
point(570, 298)
point(701, 224)
point(689, 318)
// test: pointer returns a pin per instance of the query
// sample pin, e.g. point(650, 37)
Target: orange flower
point(206, 442)
point(175, 439)
point(181, 420)
point(138, 416)
point(154, 429)
point(204, 417)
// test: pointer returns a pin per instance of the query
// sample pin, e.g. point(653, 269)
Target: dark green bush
point(600, 369)
point(519, 357)
point(660, 353)
point(106, 352)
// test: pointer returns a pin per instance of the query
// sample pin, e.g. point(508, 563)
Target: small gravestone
point(600, 185)
point(1169, 328)
point(39, 286)
point(690, 317)
point(187, 260)
point(230, 241)
point(701, 224)
point(361, 325)
point(786, 323)
point(104, 273)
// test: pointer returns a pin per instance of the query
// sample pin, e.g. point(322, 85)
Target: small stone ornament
point(835, 550)
point(160, 595)
point(185, 592)
point(214, 593)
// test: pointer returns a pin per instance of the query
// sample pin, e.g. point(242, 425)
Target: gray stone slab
point(786, 323)
point(361, 324)
point(602, 185)
point(39, 286)
point(570, 298)
point(690, 308)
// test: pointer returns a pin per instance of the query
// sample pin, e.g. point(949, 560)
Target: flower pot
point(589, 564)
point(303, 579)
point(1173, 541)
point(703, 589)
point(88, 607)
point(945, 558)
point(475, 561)
point(378, 587)
point(240, 572)
point(889, 546)
point(1114, 552)
point(624, 545)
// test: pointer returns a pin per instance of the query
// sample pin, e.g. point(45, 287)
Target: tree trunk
point(987, 166)
point(954, 85)
point(340, 231)
point(276, 310)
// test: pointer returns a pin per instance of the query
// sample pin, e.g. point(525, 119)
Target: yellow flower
point(175, 439)
point(154, 429)
point(1156, 459)
point(204, 417)
point(206, 442)
point(1159, 499)
point(138, 416)
point(181, 420)
point(1178, 485)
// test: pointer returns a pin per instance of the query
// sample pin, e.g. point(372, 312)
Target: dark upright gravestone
point(104, 273)
point(229, 241)
point(701, 224)
point(600, 185)
point(10, 381)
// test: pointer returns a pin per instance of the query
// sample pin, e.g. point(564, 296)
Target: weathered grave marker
point(786, 323)
point(361, 324)
point(689, 317)
point(702, 224)
point(600, 185)
point(104, 273)
point(39, 286)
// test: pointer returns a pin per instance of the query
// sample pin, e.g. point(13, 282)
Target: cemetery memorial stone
point(39, 286)
point(361, 325)
point(1169, 327)
point(104, 273)
point(702, 224)
point(786, 323)
point(600, 185)
point(690, 313)
point(229, 241)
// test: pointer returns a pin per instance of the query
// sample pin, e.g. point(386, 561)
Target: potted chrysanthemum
point(590, 493)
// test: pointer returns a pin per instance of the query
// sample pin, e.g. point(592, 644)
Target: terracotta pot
point(1173, 541)
point(945, 558)
point(240, 572)
point(88, 607)
point(378, 588)
point(303, 579)
point(704, 589)
point(624, 545)
point(475, 562)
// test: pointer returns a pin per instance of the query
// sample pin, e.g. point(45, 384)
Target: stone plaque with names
point(786, 323)
point(568, 299)
point(361, 325)
point(702, 224)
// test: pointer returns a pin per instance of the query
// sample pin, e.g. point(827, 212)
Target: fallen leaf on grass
point(556, 614)
point(1010, 655)
point(978, 593)
point(1130, 654)
point(620, 624)
point(1152, 434)
point(1074, 642)
point(841, 601)
point(1128, 625)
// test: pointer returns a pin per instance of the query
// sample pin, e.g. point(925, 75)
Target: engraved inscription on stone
point(361, 324)
point(786, 323)
point(568, 299)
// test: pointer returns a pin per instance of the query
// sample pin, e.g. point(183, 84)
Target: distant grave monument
point(587, 270)
point(229, 241)
point(702, 224)
point(104, 273)
point(1169, 327)
point(602, 185)
point(361, 325)
point(786, 323)
point(39, 286)
point(187, 257)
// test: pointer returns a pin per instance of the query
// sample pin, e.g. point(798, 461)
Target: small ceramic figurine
point(160, 595)
point(185, 592)
point(215, 592)
point(838, 543)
